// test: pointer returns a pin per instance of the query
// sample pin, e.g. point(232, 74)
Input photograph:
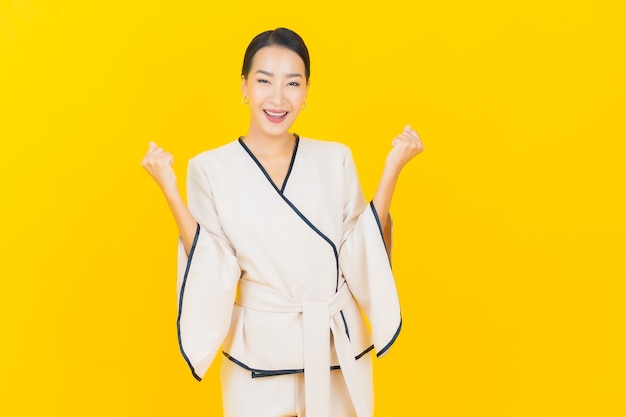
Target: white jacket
point(274, 271)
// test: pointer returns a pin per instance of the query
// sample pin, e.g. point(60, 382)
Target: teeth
point(273, 114)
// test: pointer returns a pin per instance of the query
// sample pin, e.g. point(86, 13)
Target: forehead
point(277, 59)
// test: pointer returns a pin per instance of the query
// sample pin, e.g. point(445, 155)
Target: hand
point(158, 163)
point(405, 146)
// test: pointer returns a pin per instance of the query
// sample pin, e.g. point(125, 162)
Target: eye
point(262, 81)
point(294, 84)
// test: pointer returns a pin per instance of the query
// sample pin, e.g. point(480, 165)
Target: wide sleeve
point(207, 279)
point(365, 264)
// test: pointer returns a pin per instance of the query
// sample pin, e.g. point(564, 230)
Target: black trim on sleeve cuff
point(180, 302)
point(393, 339)
point(380, 227)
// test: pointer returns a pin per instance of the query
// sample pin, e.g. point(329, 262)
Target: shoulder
point(327, 148)
point(224, 152)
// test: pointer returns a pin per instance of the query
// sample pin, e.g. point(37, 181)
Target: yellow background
point(510, 230)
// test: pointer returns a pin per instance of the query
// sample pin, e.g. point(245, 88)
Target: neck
point(269, 145)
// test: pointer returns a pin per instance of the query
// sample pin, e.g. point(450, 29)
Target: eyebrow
point(271, 74)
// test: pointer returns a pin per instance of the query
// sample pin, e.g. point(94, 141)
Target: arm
point(405, 146)
point(159, 165)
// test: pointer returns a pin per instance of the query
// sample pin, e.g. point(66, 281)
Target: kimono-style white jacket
point(279, 275)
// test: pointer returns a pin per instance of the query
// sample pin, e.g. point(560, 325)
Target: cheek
point(297, 95)
point(256, 91)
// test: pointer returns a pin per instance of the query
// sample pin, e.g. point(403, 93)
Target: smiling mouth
point(275, 116)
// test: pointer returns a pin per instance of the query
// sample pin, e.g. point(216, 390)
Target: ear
point(244, 89)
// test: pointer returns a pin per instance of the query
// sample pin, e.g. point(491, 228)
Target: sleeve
point(207, 279)
point(365, 264)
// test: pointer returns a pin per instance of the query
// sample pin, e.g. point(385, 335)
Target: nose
point(278, 95)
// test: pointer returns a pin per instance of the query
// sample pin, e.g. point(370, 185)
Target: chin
point(278, 130)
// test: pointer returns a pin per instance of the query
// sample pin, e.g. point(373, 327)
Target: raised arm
point(158, 163)
point(405, 146)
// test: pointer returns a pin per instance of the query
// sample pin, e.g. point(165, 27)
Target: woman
point(279, 253)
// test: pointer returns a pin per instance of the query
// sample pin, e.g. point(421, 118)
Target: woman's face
point(276, 88)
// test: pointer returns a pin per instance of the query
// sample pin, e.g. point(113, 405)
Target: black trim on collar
point(281, 190)
point(293, 159)
point(293, 207)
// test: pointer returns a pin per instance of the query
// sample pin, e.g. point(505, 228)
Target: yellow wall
point(510, 230)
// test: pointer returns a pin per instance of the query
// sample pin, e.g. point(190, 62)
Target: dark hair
point(282, 37)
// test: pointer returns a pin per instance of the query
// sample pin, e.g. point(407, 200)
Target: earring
point(305, 106)
point(244, 100)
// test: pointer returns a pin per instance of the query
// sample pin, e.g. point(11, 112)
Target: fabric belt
point(319, 319)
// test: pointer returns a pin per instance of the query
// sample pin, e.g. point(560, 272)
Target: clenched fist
point(405, 146)
point(158, 163)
